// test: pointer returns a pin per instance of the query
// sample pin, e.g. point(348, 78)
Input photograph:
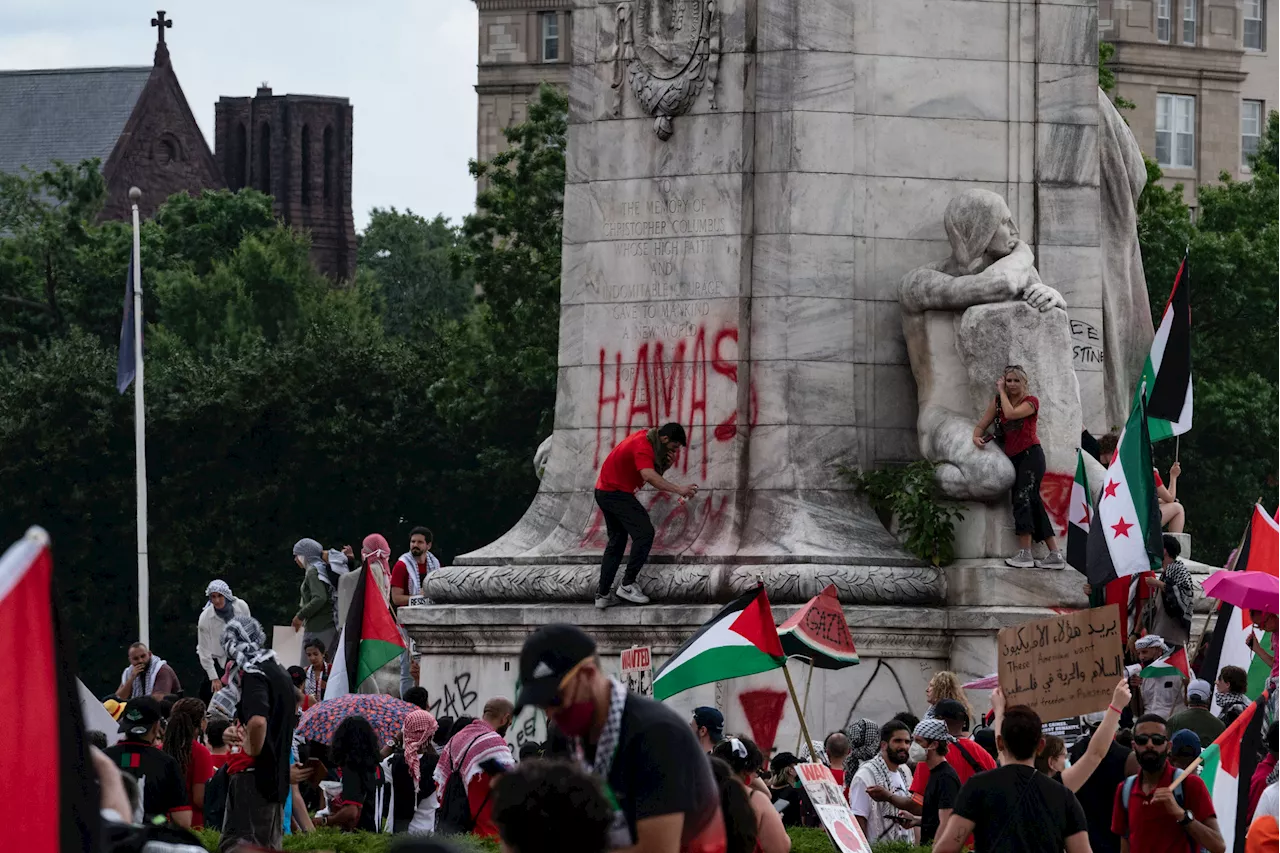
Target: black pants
point(1029, 516)
point(623, 516)
point(249, 816)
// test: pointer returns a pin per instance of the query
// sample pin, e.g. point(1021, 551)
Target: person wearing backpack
point(467, 768)
point(1151, 818)
point(966, 757)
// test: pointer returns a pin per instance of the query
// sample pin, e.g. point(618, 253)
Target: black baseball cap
point(140, 715)
point(782, 761)
point(548, 655)
point(950, 709)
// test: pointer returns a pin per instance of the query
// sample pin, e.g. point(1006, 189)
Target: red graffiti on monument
point(1055, 492)
point(763, 709)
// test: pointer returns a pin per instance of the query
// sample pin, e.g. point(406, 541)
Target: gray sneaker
point(603, 601)
point(1053, 560)
point(1021, 560)
point(631, 592)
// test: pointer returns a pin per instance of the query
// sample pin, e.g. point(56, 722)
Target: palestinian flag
point(1079, 513)
point(48, 792)
point(1227, 766)
point(1128, 595)
point(1166, 375)
point(1174, 663)
point(739, 640)
point(1124, 534)
point(370, 638)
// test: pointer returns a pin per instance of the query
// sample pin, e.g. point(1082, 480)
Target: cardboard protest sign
point(832, 808)
point(1063, 666)
point(637, 670)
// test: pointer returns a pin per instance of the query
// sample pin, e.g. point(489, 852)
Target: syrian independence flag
point(370, 639)
point(1174, 663)
point(48, 791)
point(1079, 513)
point(741, 639)
point(1167, 372)
point(1124, 534)
point(1227, 766)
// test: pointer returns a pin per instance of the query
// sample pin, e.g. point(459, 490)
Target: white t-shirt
point(879, 828)
point(1163, 695)
point(1268, 802)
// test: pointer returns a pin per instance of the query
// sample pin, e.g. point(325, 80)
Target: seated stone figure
point(988, 264)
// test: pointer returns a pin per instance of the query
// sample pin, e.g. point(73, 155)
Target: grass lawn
point(802, 841)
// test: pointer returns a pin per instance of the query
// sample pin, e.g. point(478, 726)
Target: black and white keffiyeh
point(864, 745)
point(145, 684)
point(242, 640)
point(608, 743)
point(884, 777)
point(1230, 703)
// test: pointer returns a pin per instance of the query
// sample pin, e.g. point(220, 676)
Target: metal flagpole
point(139, 430)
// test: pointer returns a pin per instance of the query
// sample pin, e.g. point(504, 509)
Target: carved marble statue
point(988, 265)
point(1126, 312)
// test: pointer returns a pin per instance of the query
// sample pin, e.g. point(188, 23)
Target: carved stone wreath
point(667, 50)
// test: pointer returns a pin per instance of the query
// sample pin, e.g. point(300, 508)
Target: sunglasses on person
point(1154, 740)
point(558, 699)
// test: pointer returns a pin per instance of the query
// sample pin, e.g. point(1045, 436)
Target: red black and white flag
point(48, 795)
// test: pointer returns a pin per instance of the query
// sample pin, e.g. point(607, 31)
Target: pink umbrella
point(991, 682)
point(1246, 590)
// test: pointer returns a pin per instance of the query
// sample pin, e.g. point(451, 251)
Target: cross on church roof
point(161, 24)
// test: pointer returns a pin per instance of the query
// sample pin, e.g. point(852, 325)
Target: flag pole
point(795, 700)
point(139, 430)
point(1235, 558)
point(808, 682)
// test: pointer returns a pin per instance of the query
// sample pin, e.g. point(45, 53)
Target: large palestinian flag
point(739, 640)
point(1166, 375)
point(1124, 534)
point(1227, 767)
point(48, 792)
point(370, 639)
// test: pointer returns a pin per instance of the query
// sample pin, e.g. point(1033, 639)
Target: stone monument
point(748, 182)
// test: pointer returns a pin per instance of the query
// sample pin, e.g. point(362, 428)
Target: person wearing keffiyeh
point(413, 766)
point(220, 607)
point(881, 787)
point(317, 615)
point(1168, 611)
point(475, 753)
point(146, 675)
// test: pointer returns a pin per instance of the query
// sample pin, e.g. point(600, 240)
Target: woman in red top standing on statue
point(1013, 413)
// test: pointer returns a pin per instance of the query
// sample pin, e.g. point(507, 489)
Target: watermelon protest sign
point(829, 802)
point(1063, 666)
point(819, 633)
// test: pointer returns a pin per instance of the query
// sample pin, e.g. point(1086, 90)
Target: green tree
point(1107, 77)
point(412, 260)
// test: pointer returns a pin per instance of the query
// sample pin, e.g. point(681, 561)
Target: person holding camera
point(1012, 415)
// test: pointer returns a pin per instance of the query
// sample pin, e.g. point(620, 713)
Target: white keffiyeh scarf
point(415, 583)
point(606, 747)
point(144, 684)
point(884, 778)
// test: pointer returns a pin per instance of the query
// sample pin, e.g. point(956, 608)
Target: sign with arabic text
point(1063, 666)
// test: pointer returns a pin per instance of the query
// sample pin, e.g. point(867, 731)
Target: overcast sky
point(407, 66)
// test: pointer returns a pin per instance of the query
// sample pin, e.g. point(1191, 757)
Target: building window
point(1189, 22)
point(1163, 22)
point(1176, 131)
point(264, 158)
point(550, 26)
point(1254, 25)
point(306, 165)
point(1250, 130)
point(327, 175)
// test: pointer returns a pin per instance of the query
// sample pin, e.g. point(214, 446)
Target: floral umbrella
point(385, 713)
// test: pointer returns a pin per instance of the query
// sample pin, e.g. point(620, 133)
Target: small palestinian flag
point(1166, 375)
point(1174, 663)
point(741, 639)
point(370, 639)
point(1079, 514)
point(48, 792)
point(1227, 766)
point(1124, 534)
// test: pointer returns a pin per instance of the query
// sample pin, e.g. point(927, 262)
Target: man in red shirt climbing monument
point(640, 458)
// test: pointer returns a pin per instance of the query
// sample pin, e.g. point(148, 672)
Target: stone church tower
point(297, 148)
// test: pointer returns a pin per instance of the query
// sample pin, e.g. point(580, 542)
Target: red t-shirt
point(1152, 829)
point(1019, 435)
point(1159, 482)
point(963, 766)
point(480, 801)
point(200, 769)
point(218, 759)
point(621, 469)
point(400, 575)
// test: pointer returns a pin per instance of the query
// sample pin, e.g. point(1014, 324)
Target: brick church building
point(136, 120)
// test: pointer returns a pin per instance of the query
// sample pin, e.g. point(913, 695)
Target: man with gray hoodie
point(316, 616)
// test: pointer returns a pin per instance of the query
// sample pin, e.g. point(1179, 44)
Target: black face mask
point(1152, 761)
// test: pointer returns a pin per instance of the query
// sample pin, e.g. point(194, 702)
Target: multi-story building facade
point(523, 43)
point(1203, 76)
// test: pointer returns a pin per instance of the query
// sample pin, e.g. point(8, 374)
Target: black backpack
point(454, 816)
point(215, 799)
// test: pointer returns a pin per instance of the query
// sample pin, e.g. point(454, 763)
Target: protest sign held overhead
point(1065, 665)
point(832, 808)
point(637, 670)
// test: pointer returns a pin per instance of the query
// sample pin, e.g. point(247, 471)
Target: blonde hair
point(1018, 371)
point(946, 685)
